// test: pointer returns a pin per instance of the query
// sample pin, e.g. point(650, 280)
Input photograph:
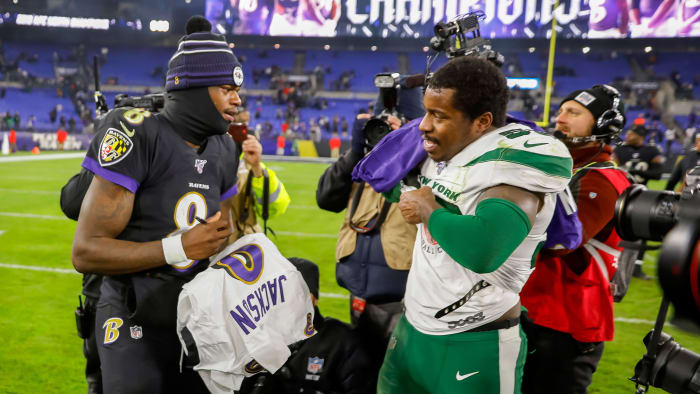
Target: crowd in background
point(281, 113)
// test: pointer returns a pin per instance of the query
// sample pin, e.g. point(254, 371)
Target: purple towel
point(392, 158)
point(397, 154)
point(565, 230)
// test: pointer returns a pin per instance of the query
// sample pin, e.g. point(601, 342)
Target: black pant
point(375, 325)
point(138, 356)
point(557, 363)
point(93, 375)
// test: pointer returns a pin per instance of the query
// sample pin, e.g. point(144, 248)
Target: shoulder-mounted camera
point(151, 102)
point(398, 98)
point(462, 37)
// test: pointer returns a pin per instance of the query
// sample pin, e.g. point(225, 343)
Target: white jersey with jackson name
point(442, 296)
point(242, 313)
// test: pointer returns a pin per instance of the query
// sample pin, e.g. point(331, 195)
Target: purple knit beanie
point(202, 58)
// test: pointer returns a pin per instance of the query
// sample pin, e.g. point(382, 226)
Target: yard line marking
point(50, 217)
point(33, 216)
point(30, 191)
point(334, 295)
point(298, 159)
point(72, 271)
point(329, 295)
point(297, 234)
point(2, 232)
point(640, 321)
point(56, 156)
point(28, 178)
point(303, 206)
point(39, 268)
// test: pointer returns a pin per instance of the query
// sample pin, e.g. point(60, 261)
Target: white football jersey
point(442, 296)
point(244, 311)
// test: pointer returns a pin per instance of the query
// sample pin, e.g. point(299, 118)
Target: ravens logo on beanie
point(202, 58)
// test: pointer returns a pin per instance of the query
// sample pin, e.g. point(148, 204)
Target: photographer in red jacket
point(568, 296)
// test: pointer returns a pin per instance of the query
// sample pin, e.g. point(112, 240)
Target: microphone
point(413, 81)
point(558, 134)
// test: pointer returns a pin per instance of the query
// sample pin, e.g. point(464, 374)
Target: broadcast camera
point(675, 219)
point(453, 39)
point(151, 102)
point(450, 37)
point(390, 97)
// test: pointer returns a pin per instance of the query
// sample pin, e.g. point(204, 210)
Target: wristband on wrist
point(173, 250)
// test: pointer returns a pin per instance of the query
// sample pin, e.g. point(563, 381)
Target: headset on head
point(608, 125)
point(610, 122)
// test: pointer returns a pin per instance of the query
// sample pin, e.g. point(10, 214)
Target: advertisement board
point(416, 18)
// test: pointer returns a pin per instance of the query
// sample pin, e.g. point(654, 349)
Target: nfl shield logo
point(199, 165)
point(136, 332)
point(315, 365)
point(440, 166)
point(253, 367)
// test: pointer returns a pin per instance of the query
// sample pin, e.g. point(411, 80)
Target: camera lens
point(443, 30)
point(645, 214)
point(375, 129)
point(675, 369)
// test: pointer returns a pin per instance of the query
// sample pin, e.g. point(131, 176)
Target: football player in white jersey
point(487, 197)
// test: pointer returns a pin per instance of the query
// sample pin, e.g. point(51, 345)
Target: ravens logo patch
point(115, 146)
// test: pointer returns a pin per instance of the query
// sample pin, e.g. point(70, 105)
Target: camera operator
point(373, 249)
point(642, 162)
point(261, 194)
point(691, 160)
point(568, 296)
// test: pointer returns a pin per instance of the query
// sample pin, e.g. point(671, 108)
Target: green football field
point(40, 351)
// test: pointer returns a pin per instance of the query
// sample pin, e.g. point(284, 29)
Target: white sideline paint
point(296, 234)
point(292, 206)
point(71, 271)
point(329, 295)
point(28, 191)
point(640, 321)
point(53, 156)
point(39, 268)
point(77, 155)
point(2, 232)
point(50, 217)
point(32, 216)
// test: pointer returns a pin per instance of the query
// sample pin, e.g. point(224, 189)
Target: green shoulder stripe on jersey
point(448, 205)
point(394, 194)
point(551, 165)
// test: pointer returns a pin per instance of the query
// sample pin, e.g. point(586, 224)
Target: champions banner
point(416, 18)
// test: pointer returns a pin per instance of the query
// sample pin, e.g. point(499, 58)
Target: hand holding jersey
point(417, 205)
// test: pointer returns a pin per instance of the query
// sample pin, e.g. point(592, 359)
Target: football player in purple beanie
point(156, 209)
